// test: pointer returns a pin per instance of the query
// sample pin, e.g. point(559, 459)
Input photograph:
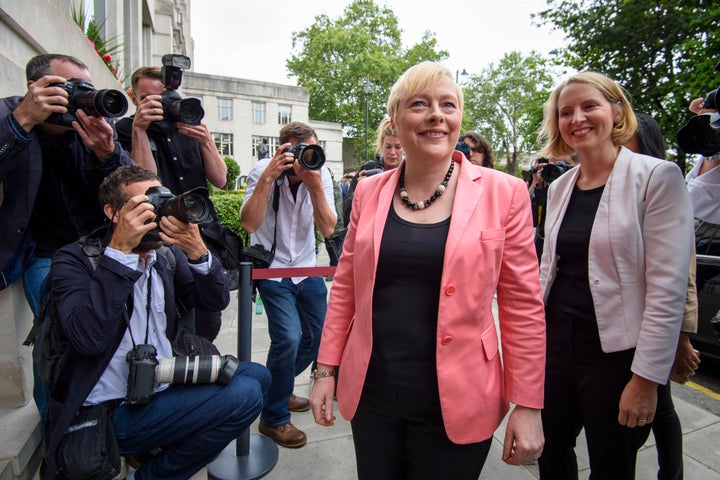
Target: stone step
point(20, 442)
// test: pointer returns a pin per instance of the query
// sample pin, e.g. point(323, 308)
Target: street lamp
point(367, 88)
point(457, 75)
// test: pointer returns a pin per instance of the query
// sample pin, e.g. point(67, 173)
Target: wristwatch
point(204, 258)
point(321, 374)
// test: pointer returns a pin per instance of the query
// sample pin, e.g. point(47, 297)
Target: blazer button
point(450, 290)
point(446, 339)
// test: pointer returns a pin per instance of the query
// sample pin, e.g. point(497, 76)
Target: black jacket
point(89, 304)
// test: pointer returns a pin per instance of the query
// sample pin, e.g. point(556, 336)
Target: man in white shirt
point(295, 306)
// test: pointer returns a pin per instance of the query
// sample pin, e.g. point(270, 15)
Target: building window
point(224, 143)
point(258, 112)
point(224, 108)
point(284, 114)
point(272, 142)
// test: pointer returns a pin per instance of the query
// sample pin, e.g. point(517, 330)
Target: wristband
point(321, 374)
point(204, 258)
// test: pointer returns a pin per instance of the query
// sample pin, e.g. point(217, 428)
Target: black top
point(571, 289)
point(405, 302)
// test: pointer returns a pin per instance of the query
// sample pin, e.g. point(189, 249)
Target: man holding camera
point(120, 314)
point(703, 181)
point(53, 156)
point(183, 155)
point(295, 306)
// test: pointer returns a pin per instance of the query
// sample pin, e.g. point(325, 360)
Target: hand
point(41, 100)
point(199, 133)
point(185, 236)
point(96, 133)
point(524, 438)
point(696, 106)
point(321, 398)
point(132, 222)
point(149, 110)
point(281, 162)
point(638, 402)
point(687, 360)
point(311, 178)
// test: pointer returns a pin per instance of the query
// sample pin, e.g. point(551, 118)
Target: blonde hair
point(383, 130)
point(623, 129)
point(417, 78)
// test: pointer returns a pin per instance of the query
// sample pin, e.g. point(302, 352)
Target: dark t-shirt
point(571, 289)
point(405, 302)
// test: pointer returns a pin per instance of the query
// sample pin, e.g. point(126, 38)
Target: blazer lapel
point(466, 205)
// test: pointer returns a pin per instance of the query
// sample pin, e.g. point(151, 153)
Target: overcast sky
point(252, 38)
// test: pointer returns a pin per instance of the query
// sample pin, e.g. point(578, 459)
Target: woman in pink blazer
point(410, 319)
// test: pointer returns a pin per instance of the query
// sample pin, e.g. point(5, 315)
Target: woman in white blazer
point(614, 280)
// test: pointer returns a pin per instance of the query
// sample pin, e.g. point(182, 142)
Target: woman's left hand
point(638, 402)
point(524, 438)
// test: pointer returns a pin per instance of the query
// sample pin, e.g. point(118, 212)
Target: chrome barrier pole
point(252, 456)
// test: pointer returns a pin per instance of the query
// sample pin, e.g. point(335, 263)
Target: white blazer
point(639, 257)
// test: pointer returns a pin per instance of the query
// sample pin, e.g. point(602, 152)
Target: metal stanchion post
point(250, 456)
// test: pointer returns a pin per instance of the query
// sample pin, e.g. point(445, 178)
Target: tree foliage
point(663, 52)
point(333, 56)
point(504, 103)
point(233, 171)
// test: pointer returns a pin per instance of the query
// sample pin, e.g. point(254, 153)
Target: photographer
point(125, 305)
point(282, 199)
point(544, 172)
point(183, 155)
point(703, 181)
point(53, 157)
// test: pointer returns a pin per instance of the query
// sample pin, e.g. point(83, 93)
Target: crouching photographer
point(116, 307)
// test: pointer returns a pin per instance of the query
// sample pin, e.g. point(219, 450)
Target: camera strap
point(147, 313)
point(276, 205)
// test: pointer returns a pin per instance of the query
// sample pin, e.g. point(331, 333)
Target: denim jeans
point(191, 424)
point(295, 320)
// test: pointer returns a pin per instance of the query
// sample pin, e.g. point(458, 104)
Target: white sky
point(252, 39)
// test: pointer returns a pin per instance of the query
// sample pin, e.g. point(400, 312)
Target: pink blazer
point(489, 249)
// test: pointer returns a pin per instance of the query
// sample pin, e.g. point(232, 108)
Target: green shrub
point(233, 171)
point(227, 206)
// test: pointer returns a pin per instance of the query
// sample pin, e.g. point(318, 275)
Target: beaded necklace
point(424, 203)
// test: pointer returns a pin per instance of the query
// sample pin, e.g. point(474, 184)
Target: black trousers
point(583, 386)
point(668, 436)
point(399, 435)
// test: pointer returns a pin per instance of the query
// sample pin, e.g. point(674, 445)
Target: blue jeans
point(295, 319)
point(191, 424)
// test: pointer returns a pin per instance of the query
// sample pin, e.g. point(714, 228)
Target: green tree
point(663, 52)
point(504, 103)
point(333, 56)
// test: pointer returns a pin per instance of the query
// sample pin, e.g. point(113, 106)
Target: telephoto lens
point(311, 157)
point(198, 369)
point(190, 207)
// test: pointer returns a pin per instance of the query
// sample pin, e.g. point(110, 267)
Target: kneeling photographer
point(284, 195)
point(543, 173)
point(115, 302)
point(167, 136)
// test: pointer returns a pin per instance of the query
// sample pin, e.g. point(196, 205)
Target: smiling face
point(585, 117)
point(428, 122)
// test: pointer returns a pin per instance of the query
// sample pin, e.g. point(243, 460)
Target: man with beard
point(128, 299)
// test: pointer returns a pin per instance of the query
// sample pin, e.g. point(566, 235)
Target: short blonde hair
point(417, 78)
point(622, 131)
point(383, 130)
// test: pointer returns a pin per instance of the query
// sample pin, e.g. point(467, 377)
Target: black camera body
point(175, 108)
point(193, 206)
point(373, 167)
point(310, 157)
point(141, 374)
point(82, 95)
point(552, 171)
point(258, 256)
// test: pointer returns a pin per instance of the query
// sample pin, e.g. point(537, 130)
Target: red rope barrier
point(265, 273)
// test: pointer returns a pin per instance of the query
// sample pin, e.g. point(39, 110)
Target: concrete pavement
point(329, 453)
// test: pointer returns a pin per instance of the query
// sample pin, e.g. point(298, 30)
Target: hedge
point(227, 205)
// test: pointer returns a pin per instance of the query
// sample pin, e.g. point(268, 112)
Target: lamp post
point(458, 73)
point(367, 88)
